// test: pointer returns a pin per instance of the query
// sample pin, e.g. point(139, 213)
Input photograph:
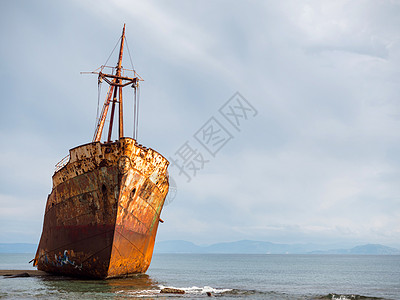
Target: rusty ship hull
point(102, 215)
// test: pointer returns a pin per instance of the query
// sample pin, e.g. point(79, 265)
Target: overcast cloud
point(318, 163)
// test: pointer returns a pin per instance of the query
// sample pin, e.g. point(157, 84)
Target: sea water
point(226, 276)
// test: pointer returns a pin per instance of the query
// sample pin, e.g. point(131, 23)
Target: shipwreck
point(102, 215)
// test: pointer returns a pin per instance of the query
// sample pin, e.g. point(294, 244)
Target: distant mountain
point(18, 248)
point(374, 249)
point(238, 247)
point(259, 247)
point(244, 246)
point(176, 246)
point(371, 249)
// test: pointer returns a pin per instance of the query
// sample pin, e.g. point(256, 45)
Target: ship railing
point(62, 163)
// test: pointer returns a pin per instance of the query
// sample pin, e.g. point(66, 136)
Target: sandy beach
point(31, 273)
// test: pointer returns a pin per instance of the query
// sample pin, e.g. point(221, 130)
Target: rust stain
point(102, 215)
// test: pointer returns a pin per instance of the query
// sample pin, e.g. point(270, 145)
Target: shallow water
point(225, 276)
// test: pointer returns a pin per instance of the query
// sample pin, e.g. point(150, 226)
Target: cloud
point(320, 160)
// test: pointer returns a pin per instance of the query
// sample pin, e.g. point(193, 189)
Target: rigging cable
point(133, 67)
point(104, 106)
point(97, 124)
point(112, 52)
point(137, 112)
point(134, 114)
point(136, 98)
point(98, 102)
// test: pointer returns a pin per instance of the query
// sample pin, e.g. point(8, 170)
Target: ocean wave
point(191, 291)
point(198, 290)
point(201, 292)
point(346, 297)
point(205, 291)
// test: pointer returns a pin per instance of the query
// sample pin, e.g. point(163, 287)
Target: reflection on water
point(226, 277)
point(97, 289)
point(136, 282)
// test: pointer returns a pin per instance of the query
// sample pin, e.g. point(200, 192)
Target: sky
point(301, 97)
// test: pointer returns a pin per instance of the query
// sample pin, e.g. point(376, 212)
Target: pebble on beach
point(17, 275)
point(172, 291)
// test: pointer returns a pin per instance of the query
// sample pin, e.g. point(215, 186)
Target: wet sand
point(32, 273)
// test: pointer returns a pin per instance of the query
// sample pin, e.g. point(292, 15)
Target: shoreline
point(32, 273)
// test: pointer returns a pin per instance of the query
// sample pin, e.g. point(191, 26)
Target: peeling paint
point(104, 209)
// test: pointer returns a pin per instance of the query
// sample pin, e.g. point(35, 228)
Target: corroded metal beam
point(102, 215)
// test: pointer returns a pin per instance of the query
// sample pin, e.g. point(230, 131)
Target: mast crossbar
point(116, 83)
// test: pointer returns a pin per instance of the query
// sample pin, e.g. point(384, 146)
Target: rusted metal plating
point(103, 212)
point(102, 215)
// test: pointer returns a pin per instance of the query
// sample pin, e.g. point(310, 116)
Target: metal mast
point(116, 82)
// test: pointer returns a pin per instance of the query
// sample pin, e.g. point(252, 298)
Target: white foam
point(343, 297)
point(194, 290)
point(198, 290)
point(143, 293)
